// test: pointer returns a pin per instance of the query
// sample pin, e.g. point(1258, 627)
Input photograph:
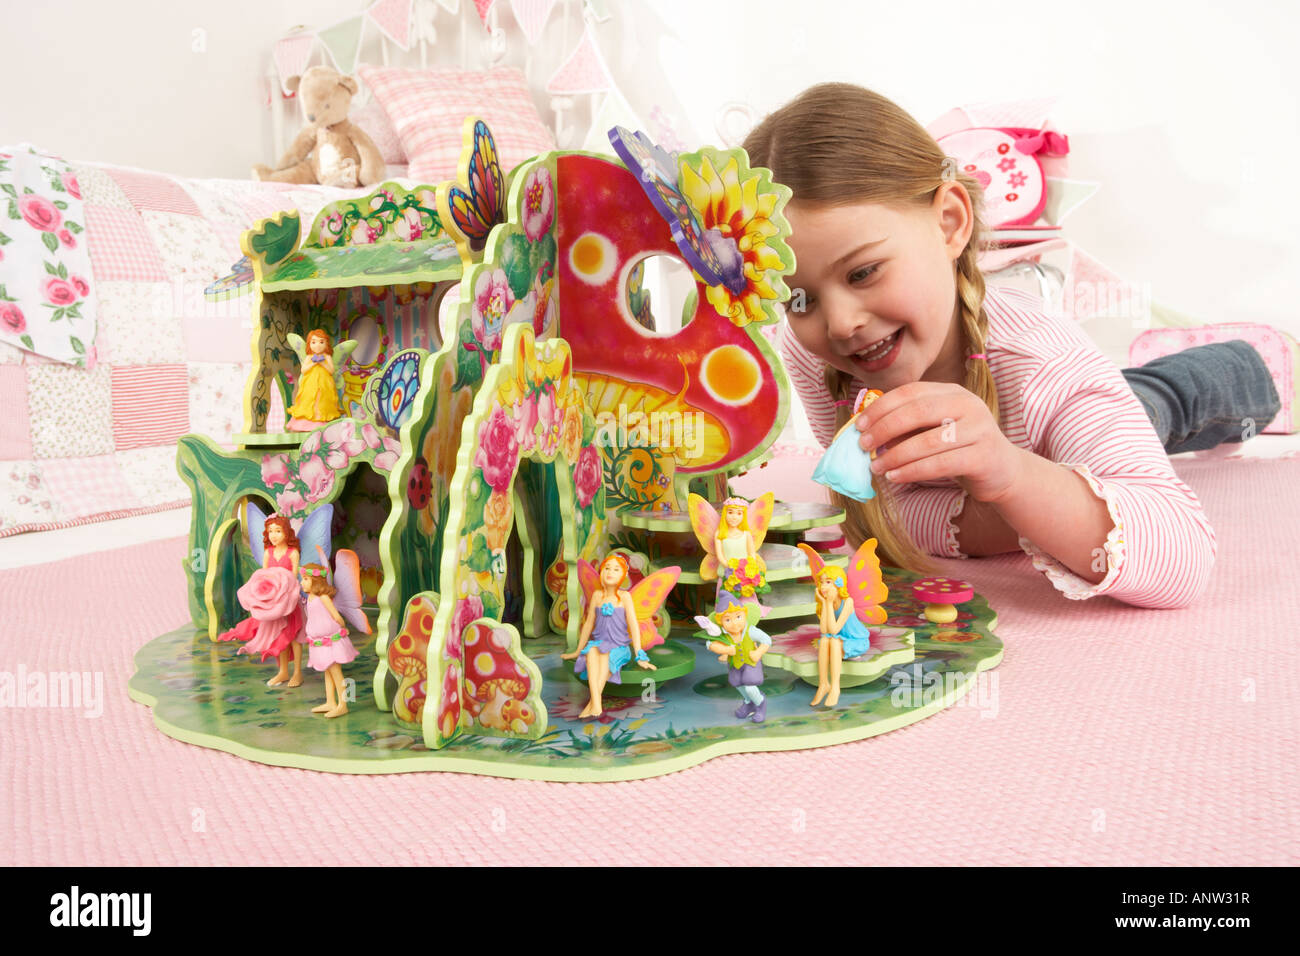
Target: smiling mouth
point(879, 348)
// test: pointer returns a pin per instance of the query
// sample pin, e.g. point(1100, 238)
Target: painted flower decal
point(498, 451)
point(492, 301)
point(539, 203)
point(739, 207)
point(39, 213)
point(12, 318)
point(587, 475)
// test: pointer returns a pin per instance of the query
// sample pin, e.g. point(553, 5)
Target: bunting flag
point(343, 42)
point(291, 55)
point(1028, 113)
point(613, 111)
point(1064, 196)
point(531, 16)
point(597, 9)
point(393, 18)
point(451, 6)
point(483, 6)
point(1092, 288)
point(583, 72)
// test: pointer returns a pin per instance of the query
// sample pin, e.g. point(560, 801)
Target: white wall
point(1186, 113)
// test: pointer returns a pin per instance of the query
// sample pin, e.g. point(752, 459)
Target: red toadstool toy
point(940, 595)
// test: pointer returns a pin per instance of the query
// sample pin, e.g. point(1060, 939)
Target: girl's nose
point(842, 322)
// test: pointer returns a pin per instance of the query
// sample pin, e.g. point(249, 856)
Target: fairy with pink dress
point(330, 608)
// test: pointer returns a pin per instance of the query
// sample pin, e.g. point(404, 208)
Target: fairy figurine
point(618, 623)
point(848, 603)
point(731, 541)
point(272, 600)
point(272, 595)
point(845, 467)
point(740, 644)
point(316, 400)
point(327, 638)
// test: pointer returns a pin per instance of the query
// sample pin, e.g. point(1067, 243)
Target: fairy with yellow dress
point(316, 400)
point(731, 540)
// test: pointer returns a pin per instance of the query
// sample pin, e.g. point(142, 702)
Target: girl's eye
point(861, 275)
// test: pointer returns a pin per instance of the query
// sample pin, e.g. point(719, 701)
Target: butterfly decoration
point(648, 596)
point(866, 585)
point(471, 209)
point(392, 397)
point(714, 257)
point(705, 520)
point(231, 286)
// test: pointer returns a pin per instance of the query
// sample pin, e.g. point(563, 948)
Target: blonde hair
point(835, 144)
point(833, 573)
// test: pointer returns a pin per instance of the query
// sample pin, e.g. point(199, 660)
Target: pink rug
point(1111, 736)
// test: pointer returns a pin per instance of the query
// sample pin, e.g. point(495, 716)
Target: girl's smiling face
point(872, 272)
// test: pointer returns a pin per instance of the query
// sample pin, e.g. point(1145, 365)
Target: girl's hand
point(571, 657)
point(646, 666)
point(933, 430)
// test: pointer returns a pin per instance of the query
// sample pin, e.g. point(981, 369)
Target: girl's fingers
point(916, 415)
point(932, 441)
point(945, 464)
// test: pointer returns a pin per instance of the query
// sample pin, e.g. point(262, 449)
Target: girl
point(1000, 426)
point(317, 399)
point(327, 638)
point(612, 627)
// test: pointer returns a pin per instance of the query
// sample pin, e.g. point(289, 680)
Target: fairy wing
point(704, 522)
point(255, 518)
point(347, 581)
point(815, 562)
point(760, 516)
point(299, 346)
point(867, 587)
point(648, 596)
point(314, 535)
point(708, 626)
point(588, 579)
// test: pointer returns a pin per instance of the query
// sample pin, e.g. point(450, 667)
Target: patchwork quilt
point(88, 429)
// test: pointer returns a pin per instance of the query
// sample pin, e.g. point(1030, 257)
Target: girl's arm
point(293, 556)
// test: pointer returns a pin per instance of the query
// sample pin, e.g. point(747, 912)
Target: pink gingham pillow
point(428, 109)
point(374, 120)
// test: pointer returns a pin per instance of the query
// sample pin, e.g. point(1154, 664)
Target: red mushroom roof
point(942, 591)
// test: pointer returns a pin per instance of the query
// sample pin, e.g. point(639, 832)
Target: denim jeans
point(1206, 395)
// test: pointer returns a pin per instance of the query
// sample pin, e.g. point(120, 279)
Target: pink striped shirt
point(1060, 398)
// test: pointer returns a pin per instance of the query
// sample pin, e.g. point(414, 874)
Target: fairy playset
point(528, 494)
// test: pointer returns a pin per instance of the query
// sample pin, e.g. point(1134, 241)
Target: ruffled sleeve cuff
point(1065, 580)
point(929, 514)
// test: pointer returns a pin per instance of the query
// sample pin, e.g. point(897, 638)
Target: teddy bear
point(329, 150)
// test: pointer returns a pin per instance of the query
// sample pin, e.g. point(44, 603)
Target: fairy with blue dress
point(845, 467)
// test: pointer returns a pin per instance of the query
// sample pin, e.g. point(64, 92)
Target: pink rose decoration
point(318, 476)
point(81, 285)
point(65, 237)
point(587, 476)
point(39, 213)
point(275, 470)
point(12, 318)
point(539, 203)
point(370, 435)
point(59, 291)
point(498, 451)
point(341, 443)
point(270, 594)
point(71, 185)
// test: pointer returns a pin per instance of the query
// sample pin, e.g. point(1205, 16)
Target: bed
point(98, 392)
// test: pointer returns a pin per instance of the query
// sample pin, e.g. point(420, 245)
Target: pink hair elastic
point(977, 355)
point(844, 402)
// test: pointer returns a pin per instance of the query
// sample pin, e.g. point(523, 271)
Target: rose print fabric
point(47, 303)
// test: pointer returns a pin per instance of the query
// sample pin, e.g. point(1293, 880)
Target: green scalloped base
point(202, 694)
